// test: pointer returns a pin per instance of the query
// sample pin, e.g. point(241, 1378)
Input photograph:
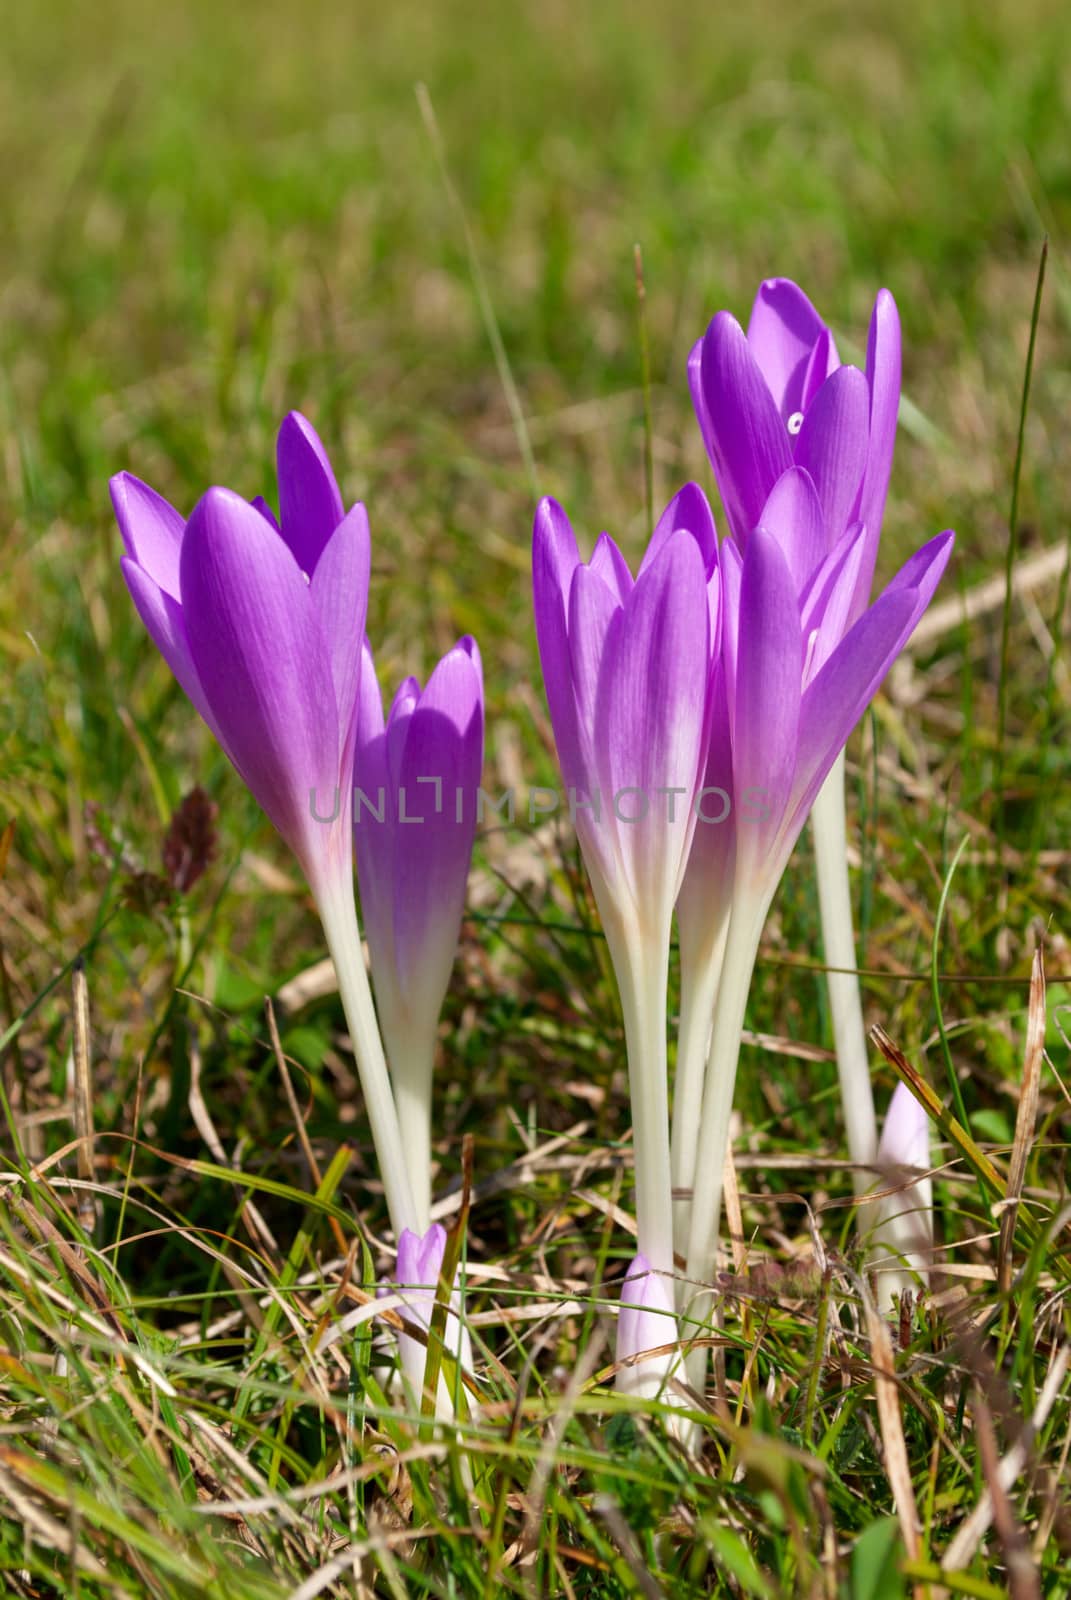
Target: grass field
point(212, 214)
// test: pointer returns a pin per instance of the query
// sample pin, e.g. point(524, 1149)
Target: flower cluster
point(743, 667)
point(736, 668)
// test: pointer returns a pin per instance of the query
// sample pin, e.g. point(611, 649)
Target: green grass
point(214, 213)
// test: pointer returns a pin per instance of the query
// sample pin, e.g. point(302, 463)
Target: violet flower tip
point(297, 422)
point(117, 485)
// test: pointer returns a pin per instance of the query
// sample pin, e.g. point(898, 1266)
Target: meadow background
point(211, 214)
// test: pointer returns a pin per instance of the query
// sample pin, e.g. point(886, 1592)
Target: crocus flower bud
point(420, 1261)
point(627, 666)
point(646, 1321)
point(416, 790)
point(903, 1238)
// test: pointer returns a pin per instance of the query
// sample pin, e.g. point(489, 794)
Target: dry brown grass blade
point(928, 1097)
point(897, 1466)
point(1025, 1120)
point(733, 1214)
point(73, 1259)
point(7, 839)
point(252, 1217)
point(83, 1094)
point(291, 1099)
point(1022, 1575)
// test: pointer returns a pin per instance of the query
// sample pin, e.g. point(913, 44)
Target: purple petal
point(794, 516)
point(406, 699)
point(883, 377)
point(163, 618)
point(782, 332)
point(420, 1259)
point(259, 503)
point(923, 571)
point(827, 607)
point(610, 565)
point(689, 509)
point(265, 669)
point(823, 362)
point(646, 1317)
point(443, 747)
point(420, 1256)
point(650, 720)
point(840, 693)
point(708, 876)
point(832, 446)
point(699, 404)
point(339, 591)
point(766, 726)
point(594, 621)
point(373, 820)
point(554, 562)
point(554, 550)
point(748, 442)
point(593, 608)
point(310, 506)
point(151, 528)
point(370, 768)
point(732, 571)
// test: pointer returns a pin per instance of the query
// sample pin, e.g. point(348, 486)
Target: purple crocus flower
point(627, 667)
point(773, 399)
point(779, 396)
point(261, 622)
point(796, 685)
point(417, 780)
point(420, 1264)
point(645, 1322)
point(256, 620)
point(905, 1230)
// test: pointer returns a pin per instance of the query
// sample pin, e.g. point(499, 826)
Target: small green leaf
point(992, 1124)
point(876, 1561)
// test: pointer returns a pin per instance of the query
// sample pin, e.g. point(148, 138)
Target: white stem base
point(700, 976)
point(829, 822)
point(745, 930)
point(900, 1255)
point(338, 913)
point(642, 969)
point(412, 1063)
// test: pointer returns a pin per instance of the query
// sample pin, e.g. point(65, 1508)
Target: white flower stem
point(338, 913)
point(741, 948)
point(700, 975)
point(838, 939)
point(901, 1245)
point(642, 968)
point(412, 1064)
